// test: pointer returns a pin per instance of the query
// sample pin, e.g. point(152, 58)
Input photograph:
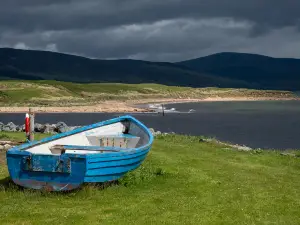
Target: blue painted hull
point(52, 179)
point(102, 169)
point(68, 171)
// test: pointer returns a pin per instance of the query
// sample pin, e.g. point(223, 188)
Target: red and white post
point(27, 126)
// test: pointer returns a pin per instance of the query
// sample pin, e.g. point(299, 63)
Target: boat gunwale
point(21, 148)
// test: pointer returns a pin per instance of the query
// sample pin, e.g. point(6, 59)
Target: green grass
point(60, 93)
point(18, 136)
point(22, 95)
point(182, 181)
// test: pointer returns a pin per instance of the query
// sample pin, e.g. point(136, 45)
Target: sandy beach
point(108, 106)
point(126, 106)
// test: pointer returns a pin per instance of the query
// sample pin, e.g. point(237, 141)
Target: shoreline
point(6, 144)
point(130, 106)
point(218, 99)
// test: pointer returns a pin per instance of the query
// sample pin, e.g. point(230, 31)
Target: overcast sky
point(156, 30)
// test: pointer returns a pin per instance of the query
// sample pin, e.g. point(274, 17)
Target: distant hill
point(39, 65)
point(227, 70)
point(259, 71)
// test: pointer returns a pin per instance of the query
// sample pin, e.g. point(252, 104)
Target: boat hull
point(69, 171)
point(43, 171)
point(104, 169)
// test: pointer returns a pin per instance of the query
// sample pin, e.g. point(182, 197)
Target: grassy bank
point(54, 93)
point(182, 181)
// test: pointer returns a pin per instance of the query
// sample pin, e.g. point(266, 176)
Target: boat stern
point(46, 172)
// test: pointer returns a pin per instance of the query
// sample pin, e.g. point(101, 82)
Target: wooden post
point(31, 129)
point(163, 110)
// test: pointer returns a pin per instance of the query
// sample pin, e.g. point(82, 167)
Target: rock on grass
point(61, 127)
point(10, 127)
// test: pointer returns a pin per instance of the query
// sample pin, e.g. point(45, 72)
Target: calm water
point(255, 124)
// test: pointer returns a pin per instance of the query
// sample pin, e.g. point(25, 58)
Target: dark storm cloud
point(151, 29)
point(92, 14)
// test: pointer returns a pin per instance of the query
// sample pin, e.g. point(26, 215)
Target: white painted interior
point(87, 138)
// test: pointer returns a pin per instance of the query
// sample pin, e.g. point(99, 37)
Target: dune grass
point(59, 93)
point(182, 181)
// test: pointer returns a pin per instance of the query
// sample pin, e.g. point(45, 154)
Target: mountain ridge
point(267, 72)
point(238, 53)
point(225, 70)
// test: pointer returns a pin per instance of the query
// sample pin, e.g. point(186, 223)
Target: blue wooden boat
point(100, 152)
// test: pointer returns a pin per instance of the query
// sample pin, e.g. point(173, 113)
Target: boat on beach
point(96, 153)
